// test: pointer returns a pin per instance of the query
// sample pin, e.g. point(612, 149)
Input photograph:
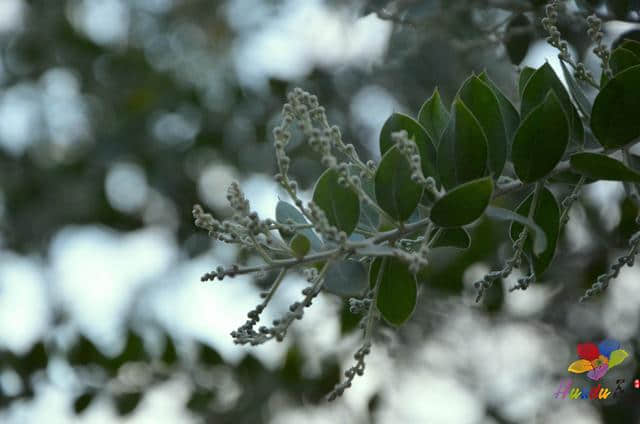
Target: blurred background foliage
point(117, 116)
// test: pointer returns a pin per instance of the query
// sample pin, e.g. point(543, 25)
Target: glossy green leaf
point(453, 237)
point(631, 45)
point(602, 167)
point(396, 193)
point(620, 60)
point(614, 119)
point(535, 92)
point(340, 204)
point(577, 90)
point(547, 216)
point(484, 106)
point(539, 237)
point(434, 116)
point(426, 146)
point(300, 245)
point(285, 212)
point(525, 74)
point(398, 291)
point(346, 279)
point(464, 204)
point(518, 37)
point(510, 114)
point(540, 141)
point(463, 152)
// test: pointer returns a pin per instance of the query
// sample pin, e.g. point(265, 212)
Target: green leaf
point(340, 204)
point(622, 59)
point(170, 355)
point(286, 211)
point(602, 167)
point(614, 119)
point(540, 141)
point(525, 75)
point(418, 134)
point(540, 238)
point(127, 402)
point(369, 217)
point(453, 237)
point(398, 291)
point(396, 192)
point(631, 45)
point(577, 91)
point(346, 279)
point(517, 38)
point(300, 245)
point(434, 116)
point(462, 153)
point(464, 204)
point(535, 92)
point(510, 114)
point(82, 402)
point(483, 104)
point(547, 216)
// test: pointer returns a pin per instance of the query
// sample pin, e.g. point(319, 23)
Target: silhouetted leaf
point(82, 402)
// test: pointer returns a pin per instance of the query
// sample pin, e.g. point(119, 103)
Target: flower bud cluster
point(595, 33)
point(246, 333)
point(409, 149)
point(322, 225)
point(357, 369)
point(511, 263)
point(550, 24)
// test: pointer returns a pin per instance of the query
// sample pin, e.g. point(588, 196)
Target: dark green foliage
point(614, 119)
point(541, 140)
point(397, 294)
point(396, 192)
point(417, 133)
point(434, 116)
point(518, 38)
point(484, 106)
point(453, 237)
point(547, 216)
point(463, 205)
point(602, 167)
point(463, 149)
point(340, 204)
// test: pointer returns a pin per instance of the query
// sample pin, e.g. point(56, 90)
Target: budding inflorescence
point(602, 282)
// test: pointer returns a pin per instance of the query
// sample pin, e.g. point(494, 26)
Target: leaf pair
point(477, 138)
